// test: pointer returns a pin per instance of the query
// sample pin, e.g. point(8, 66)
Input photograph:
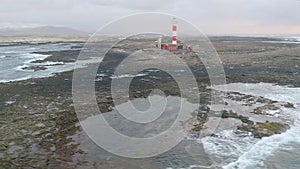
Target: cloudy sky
point(211, 16)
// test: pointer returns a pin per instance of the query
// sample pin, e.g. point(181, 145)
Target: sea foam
point(259, 150)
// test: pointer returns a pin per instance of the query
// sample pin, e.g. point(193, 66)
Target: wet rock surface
point(266, 129)
point(35, 68)
point(38, 122)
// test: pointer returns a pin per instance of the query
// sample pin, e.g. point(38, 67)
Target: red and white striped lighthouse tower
point(174, 31)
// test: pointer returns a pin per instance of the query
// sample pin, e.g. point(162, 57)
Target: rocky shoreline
point(39, 119)
point(253, 126)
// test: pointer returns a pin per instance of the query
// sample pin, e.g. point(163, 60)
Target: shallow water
point(188, 152)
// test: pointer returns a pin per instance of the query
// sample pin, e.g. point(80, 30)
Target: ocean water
point(278, 151)
point(15, 57)
point(280, 38)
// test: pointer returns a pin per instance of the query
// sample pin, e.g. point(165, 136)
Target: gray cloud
point(136, 4)
point(213, 16)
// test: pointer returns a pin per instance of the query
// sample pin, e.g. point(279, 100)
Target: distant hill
point(42, 31)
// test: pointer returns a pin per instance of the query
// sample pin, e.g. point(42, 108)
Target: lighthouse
point(174, 46)
point(174, 31)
